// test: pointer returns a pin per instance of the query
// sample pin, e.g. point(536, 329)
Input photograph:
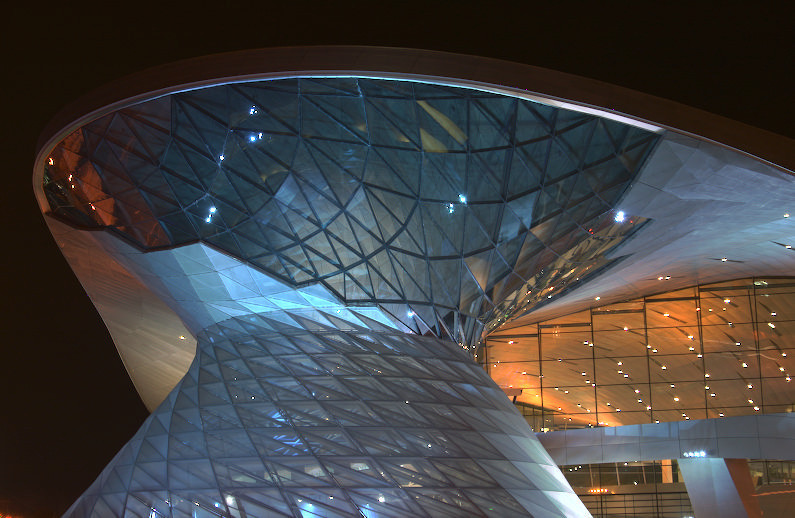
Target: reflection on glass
point(661, 358)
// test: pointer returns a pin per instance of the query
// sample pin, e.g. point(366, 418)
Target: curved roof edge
point(411, 64)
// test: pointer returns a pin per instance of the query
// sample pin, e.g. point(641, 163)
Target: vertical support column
point(720, 487)
point(667, 471)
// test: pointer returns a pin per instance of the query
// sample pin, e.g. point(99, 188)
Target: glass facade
point(299, 419)
point(452, 209)
point(650, 489)
point(447, 211)
point(708, 351)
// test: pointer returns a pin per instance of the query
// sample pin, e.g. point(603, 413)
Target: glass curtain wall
point(651, 489)
point(707, 351)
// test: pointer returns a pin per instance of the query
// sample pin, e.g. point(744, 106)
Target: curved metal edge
point(500, 76)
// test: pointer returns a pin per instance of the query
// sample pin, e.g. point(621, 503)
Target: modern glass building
point(331, 271)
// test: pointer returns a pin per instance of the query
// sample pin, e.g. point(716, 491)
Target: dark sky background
point(66, 404)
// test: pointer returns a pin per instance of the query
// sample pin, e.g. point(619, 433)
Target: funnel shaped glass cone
point(452, 209)
point(277, 420)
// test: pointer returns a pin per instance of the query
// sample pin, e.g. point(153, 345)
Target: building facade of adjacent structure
point(303, 256)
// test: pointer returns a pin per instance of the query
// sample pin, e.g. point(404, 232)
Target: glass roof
point(452, 209)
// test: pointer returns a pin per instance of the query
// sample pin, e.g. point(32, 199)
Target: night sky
point(67, 405)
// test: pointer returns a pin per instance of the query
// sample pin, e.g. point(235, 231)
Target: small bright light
point(597, 298)
point(450, 208)
point(220, 157)
point(676, 398)
point(212, 210)
point(786, 215)
point(462, 198)
point(411, 314)
point(726, 301)
point(619, 216)
point(209, 219)
point(750, 386)
point(772, 325)
point(381, 499)
point(700, 453)
point(181, 337)
point(252, 138)
point(745, 365)
point(252, 110)
point(723, 259)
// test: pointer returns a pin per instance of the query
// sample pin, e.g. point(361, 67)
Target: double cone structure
point(338, 246)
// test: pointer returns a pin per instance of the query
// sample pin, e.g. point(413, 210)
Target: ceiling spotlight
point(620, 216)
